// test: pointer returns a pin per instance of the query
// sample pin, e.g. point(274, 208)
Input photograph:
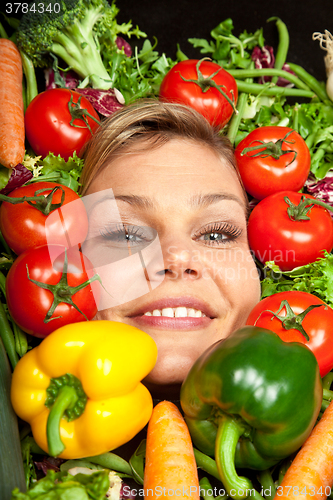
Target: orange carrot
point(11, 105)
point(310, 476)
point(170, 469)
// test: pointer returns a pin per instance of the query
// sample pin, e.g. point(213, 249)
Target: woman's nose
point(181, 261)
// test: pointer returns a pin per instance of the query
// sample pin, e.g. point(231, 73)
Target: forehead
point(178, 168)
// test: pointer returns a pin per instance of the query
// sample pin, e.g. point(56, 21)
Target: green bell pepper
point(251, 400)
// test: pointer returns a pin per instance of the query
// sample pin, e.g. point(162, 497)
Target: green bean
point(3, 33)
point(30, 76)
point(283, 46)
point(5, 246)
point(206, 463)
point(267, 484)
point(236, 119)
point(295, 125)
point(206, 490)
point(7, 336)
point(319, 155)
point(21, 341)
point(327, 380)
point(254, 73)
point(310, 80)
point(3, 284)
point(258, 88)
point(284, 122)
point(311, 138)
point(111, 461)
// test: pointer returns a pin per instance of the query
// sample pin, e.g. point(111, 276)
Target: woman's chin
point(168, 375)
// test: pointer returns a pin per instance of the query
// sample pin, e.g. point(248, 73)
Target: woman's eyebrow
point(203, 200)
point(199, 201)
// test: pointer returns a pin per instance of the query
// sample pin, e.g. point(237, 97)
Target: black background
point(174, 21)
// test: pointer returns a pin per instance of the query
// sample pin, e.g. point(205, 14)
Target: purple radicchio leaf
point(264, 58)
point(19, 176)
point(70, 79)
point(321, 189)
point(49, 463)
point(122, 44)
point(126, 493)
point(252, 203)
point(104, 101)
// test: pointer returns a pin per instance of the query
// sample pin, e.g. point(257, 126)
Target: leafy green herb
point(228, 50)
point(141, 74)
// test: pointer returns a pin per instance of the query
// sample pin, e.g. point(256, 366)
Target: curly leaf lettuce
point(63, 486)
point(55, 169)
point(315, 278)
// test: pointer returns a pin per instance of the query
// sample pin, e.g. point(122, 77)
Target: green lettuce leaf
point(63, 486)
point(315, 278)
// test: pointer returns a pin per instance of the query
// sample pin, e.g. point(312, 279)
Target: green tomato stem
point(39, 201)
point(62, 292)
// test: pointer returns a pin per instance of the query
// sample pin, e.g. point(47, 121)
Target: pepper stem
point(66, 399)
point(228, 434)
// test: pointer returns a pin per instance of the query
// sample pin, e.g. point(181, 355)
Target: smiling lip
point(185, 323)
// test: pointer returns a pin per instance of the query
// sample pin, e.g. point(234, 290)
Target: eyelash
point(231, 232)
point(120, 230)
point(223, 228)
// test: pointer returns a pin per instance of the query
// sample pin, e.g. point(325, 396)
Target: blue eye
point(219, 233)
point(121, 234)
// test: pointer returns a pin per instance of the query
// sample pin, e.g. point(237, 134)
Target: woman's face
point(206, 283)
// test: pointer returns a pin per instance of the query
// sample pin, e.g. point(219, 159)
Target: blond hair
point(149, 124)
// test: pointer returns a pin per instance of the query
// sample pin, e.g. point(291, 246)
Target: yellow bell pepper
point(80, 389)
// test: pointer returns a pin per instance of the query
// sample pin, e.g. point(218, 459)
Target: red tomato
point(23, 226)
point(212, 104)
point(47, 123)
point(317, 323)
point(28, 303)
point(262, 173)
point(290, 243)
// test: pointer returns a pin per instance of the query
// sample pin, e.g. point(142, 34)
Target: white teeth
point(168, 311)
point(176, 312)
point(180, 312)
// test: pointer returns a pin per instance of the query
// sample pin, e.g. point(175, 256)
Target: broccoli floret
point(69, 30)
